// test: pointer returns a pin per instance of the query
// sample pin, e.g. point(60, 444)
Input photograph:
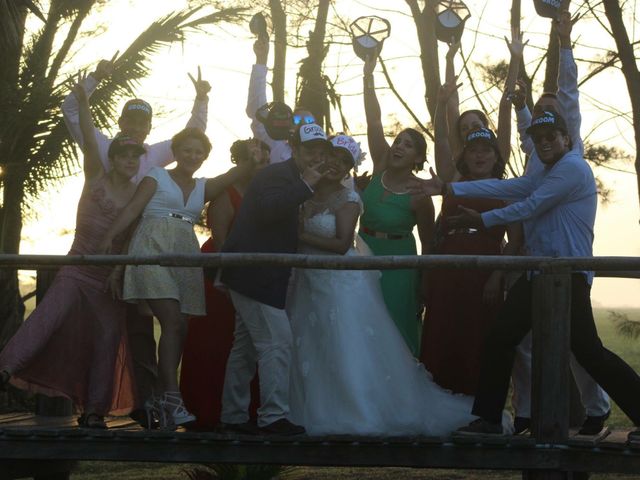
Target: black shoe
point(283, 427)
point(480, 427)
point(593, 425)
point(246, 428)
point(521, 424)
point(634, 437)
point(142, 418)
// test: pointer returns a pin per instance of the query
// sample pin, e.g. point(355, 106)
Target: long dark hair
point(419, 143)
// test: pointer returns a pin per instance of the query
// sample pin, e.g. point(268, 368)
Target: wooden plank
point(551, 305)
point(185, 448)
point(16, 416)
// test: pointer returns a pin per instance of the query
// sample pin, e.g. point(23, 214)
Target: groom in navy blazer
point(267, 222)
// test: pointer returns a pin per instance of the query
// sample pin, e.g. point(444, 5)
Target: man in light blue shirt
point(559, 202)
point(566, 102)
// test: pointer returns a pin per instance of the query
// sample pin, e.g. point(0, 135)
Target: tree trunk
point(279, 20)
point(11, 305)
point(629, 69)
point(313, 91)
point(425, 21)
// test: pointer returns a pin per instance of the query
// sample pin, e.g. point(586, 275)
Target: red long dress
point(206, 349)
point(456, 319)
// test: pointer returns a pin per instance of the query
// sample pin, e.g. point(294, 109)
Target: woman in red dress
point(461, 304)
point(209, 338)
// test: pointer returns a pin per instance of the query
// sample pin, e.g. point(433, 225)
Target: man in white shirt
point(566, 102)
point(280, 149)
point(560, 203)
point(135, 121)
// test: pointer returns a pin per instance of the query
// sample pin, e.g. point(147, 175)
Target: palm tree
point(36, 150)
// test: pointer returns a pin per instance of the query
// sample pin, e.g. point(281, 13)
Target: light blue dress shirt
point(556, 204)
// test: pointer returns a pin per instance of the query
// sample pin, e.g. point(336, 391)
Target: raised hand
point(516, 46)
point(202, 86)
point(78, 88)
point(454, 46)
point(468, 218)
point(519, 95)
point(447, 89)
point(261, 49)
point(563, 26)
point(105, 68)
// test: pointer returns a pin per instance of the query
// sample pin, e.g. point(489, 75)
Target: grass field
point(626, 348)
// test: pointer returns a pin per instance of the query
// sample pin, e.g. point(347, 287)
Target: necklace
point(387, 188)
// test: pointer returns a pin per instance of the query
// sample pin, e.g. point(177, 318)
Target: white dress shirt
point(157, 154)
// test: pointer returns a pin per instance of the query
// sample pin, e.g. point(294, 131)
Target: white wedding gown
point(352, 372)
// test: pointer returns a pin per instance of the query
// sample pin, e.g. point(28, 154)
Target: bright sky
point(225, 55)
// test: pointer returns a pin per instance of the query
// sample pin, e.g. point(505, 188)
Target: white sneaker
point(173, 406)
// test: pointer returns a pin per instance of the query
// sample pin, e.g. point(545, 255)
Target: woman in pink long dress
point(74, 343)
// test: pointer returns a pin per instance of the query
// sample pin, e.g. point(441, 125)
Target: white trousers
point(594, 399)
point(262, 335)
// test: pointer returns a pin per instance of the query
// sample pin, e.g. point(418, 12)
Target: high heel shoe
point(174, 411)
point(152, 414)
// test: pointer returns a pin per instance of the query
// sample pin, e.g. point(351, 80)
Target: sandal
point(92, 420)
point(173, 410)
point(4, 380)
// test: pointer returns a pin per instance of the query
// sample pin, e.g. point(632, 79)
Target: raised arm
point(257, 96)
point(200, 111)
point(71, 109)
point(516, 48)
point(568, 94)
point(453, 104)
point(92, 166)
point(378, 146)
point(444, 157)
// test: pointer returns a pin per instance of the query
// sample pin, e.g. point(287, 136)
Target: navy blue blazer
point(267, 222)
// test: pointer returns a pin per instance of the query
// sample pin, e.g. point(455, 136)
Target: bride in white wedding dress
point(352, 372)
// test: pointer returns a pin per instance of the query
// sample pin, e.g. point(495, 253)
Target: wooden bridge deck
point(25, 437)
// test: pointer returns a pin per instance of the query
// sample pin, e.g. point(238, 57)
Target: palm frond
point(47, 151)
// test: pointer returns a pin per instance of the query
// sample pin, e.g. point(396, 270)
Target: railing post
point(551, 310)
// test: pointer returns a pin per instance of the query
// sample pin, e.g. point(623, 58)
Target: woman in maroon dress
point(461, 304)
point(209, 339)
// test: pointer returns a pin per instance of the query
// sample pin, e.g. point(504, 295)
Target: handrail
point(613, 265)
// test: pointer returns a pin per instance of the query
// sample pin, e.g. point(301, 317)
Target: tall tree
point(628, 60)
point(313, 90)
point(36, 150)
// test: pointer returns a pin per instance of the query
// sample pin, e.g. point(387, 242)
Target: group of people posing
point(268, 350)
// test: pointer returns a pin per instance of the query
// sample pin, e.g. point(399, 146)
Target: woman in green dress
point(391, 213)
